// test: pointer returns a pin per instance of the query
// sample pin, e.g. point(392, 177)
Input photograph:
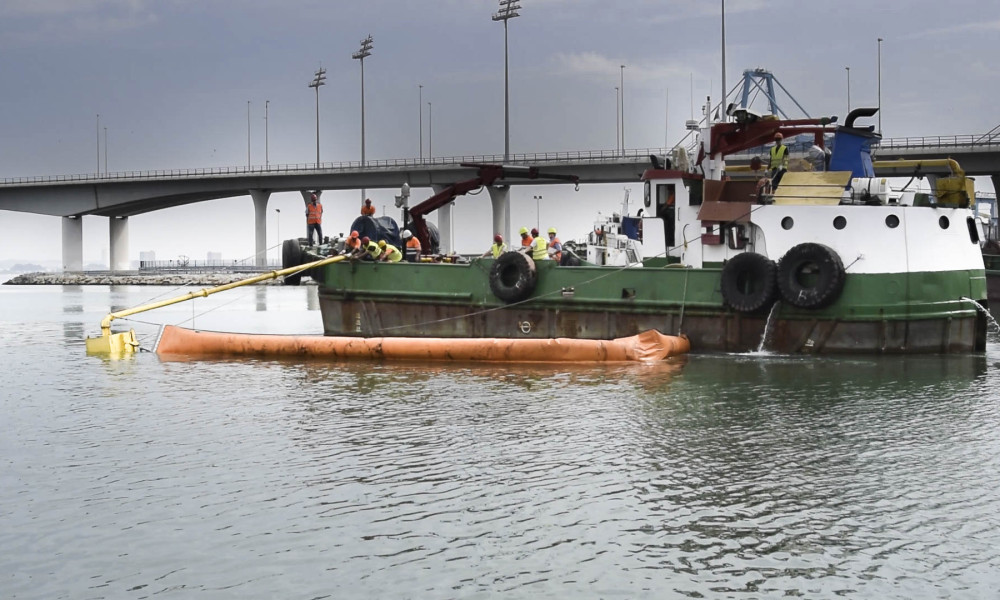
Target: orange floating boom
point(647, 346)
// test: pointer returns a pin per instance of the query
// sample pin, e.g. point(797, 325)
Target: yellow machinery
point(122, 343)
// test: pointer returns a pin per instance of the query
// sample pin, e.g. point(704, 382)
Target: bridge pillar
point(444, 222)
point(995, 178)
point(118, 234)
point(500, 198)
point(72, 243)
point(260, 198)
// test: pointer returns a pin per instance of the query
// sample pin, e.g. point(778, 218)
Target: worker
point(497, 248)
point(314, 220)
point(555, 246)
point(367, 210)
point(352, 245)
point(373, 250)
point(526, 238)
point(389, 253)
point(779, 160)
point(539, 247)
point(413, 248)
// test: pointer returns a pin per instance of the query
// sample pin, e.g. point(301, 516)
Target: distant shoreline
point(135, 279)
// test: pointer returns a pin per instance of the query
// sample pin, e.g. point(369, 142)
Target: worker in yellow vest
point(314, 220)
point(779, 160)
point(389, 253)
point(538, 247)
point(497, 248)
point(374, 251)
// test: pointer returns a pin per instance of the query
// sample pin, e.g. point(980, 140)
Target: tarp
point(386, 228)
point(647, 346)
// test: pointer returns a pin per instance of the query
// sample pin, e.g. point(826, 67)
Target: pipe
point(951, 163)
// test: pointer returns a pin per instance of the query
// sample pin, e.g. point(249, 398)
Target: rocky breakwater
point(135, 278)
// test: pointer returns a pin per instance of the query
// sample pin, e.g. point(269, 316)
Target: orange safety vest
point(352, 243)
point(367, 210)
point(314, 213)
point(414, 245)
point(558, 254)
point(526, 241)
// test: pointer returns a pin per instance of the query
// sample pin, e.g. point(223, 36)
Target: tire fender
point(811, 276)
point(513, 277)
point(749, 282)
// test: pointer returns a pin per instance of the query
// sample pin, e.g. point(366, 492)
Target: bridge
point(119, 196)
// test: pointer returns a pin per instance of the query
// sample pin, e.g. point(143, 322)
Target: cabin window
point(892, 221)
point(646, 200)
point(839, 223)
point(695, 189)
point(973, 230)
point(944, 222)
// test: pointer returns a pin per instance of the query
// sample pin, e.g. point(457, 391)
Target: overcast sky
point(171, 80)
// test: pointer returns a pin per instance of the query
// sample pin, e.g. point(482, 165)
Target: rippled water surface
point(712, 477)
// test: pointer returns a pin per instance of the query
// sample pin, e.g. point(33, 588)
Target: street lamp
point(360, 55)
point(105, 150)
point(538, 213)
point(277, 222)
point(430, 131)
point(618, 108)
point(420, 109)
point(880, 86)
point(98, 144)
point(622, 84)
point(248, 134)
point(508, 10)
point(318, 80)
point(848, 89)
point(267, 160)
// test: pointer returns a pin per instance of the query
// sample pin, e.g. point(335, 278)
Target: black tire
point(810, 276)
point(513, 277)
point(748, 282)
point(291, 256)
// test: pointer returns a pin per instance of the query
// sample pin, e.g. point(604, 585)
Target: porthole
point(892, 221)
point(787, 223)
point(839, 223)
point(944, 222)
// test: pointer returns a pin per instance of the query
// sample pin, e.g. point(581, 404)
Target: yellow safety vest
point(392, 253)
point(540, 251)
point(498, 249)
point(779, 157)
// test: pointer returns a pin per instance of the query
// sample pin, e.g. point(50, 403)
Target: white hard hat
point(406, 234)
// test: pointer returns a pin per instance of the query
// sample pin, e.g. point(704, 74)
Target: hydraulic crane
point(487, 175)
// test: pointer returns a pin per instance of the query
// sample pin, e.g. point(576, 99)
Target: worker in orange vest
point(555, 246)
point(526, 238)
point(314, 220)
point(367, 210)
point(352, 246)
point(413, 247)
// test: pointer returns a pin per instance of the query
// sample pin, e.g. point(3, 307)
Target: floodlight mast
point(508, 10)
point(318, 79)
point(360, 55)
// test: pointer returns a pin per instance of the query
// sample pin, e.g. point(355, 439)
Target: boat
point(825, 263)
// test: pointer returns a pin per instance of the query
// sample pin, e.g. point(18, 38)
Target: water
point(715, 477)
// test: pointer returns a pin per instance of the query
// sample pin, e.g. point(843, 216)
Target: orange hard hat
point(354, 234)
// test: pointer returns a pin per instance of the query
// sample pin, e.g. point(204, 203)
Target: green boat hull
point(930, 312)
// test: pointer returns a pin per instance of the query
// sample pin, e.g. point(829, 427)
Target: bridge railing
point(940, 141)
point(300, 168)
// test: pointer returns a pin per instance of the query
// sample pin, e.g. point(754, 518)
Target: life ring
point(513, 277)
point(810, 276)
point(291, 256)
point(748, 282)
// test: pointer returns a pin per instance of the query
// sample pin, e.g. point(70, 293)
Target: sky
point(171, 80)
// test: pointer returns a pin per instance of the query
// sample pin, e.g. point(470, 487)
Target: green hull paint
point(899, 312)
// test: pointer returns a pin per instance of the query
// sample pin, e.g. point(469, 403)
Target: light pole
point(618, 109)
point(508, 10)
point(98, 144)
point(277, 222)
point(420, 109)
point(880, 86)
point(538, 214)
point(105, 150)
point(248, 134)
point(622, 84)
point(360, 55)
point(318, 79)
point(430, 132)
point(848, 89)
point(267, 160)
